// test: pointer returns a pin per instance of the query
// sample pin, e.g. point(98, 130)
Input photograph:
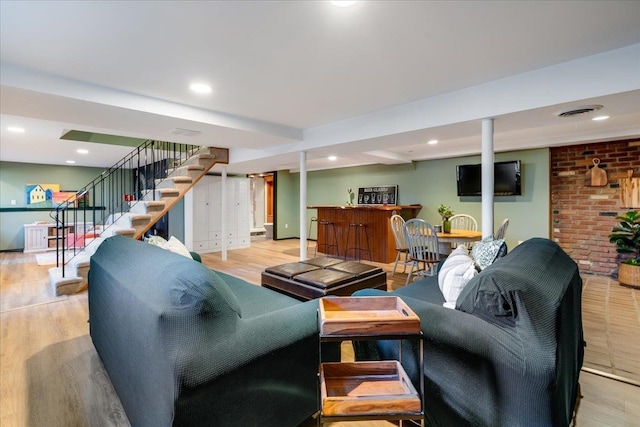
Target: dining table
point(446, 240)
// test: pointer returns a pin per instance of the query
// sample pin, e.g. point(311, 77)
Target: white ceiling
point(370, 83)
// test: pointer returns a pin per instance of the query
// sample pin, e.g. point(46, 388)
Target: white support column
point(487, 177)
point(223, 213)
point(303, 205)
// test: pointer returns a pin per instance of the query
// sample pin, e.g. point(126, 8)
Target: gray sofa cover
point(510, 353)
point(186, 346)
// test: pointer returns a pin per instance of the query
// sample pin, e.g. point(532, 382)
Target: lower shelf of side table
point(379, 390)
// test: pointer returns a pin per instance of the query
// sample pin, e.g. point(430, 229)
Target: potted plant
point(626, 236)
point(446, 213)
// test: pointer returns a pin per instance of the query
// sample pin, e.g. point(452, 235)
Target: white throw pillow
point(454, 275)
point(175, 245)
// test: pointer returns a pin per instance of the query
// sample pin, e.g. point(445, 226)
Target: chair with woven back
point(397, 228)
point(463, 222)
point(422, 242)
point(502, 230)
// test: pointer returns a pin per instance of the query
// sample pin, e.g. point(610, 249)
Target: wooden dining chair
point(502, 230)
point(422, 242)
point(463, 222)
point(397, 228)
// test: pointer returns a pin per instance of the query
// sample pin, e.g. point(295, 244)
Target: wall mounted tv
point(506, 179)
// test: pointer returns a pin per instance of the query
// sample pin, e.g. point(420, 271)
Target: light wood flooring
point(50, 374)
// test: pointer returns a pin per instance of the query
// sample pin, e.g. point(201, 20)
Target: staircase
point(127, 199)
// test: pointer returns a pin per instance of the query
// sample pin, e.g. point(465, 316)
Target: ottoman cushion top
point(291, 269)
point(323, 262)
point(356, 268)
point(324, 278)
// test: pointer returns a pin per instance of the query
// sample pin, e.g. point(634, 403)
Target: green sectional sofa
point(186, 346)
point(510, 352)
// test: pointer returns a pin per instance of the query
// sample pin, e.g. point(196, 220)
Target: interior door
point(268, 190)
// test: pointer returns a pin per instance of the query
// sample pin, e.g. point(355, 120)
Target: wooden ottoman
point(317, 277)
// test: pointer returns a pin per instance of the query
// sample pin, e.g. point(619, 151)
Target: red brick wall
point(582, 217)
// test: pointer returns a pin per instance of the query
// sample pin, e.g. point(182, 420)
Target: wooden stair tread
point(168, 190)
point(154, 203)
point(137, 216)
point(190, 169)
point(180, 178)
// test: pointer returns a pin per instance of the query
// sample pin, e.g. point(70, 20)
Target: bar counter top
point(370, 207)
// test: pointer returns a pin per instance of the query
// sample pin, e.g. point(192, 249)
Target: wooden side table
point(379, 390)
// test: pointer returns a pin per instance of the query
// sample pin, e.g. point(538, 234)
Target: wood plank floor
point(50, 374)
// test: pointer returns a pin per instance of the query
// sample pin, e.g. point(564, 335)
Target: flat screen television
point(506, 180)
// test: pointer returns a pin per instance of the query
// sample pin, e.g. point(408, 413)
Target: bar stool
point(326, 245)
point(313, 219)
point(359, 232)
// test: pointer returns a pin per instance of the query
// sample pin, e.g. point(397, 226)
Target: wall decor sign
point(378, 195)
point(39, 193)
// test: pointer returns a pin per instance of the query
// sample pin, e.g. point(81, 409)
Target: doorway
point(268, 185)
point(262, 203)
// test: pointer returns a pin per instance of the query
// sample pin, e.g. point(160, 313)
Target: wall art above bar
point(378, 195)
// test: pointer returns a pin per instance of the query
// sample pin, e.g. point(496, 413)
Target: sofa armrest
point(257, 371)
point(476, 373)
point(248, 340)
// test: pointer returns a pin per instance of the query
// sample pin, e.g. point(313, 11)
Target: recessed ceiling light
point(343, 3)
point(15, 129)
point(598, 118)
point(71, 162)
point(432, 142)
point(332, 158)
point(82, 151)
point(201, 88)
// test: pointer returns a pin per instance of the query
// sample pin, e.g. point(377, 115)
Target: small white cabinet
point(36, 237)
point(42, 237)
point(203, 215)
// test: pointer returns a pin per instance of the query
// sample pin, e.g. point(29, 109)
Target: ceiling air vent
point(585, 109)
point(185, 132)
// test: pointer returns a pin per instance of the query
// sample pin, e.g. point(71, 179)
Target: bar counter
point(378, 228)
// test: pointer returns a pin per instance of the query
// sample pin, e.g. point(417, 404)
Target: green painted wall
point(430, 183)
point(13, 180)
point(287, 205)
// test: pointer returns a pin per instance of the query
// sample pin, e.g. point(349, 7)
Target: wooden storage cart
point(379, 390)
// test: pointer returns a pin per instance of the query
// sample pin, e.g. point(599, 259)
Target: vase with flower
point(445, 212)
